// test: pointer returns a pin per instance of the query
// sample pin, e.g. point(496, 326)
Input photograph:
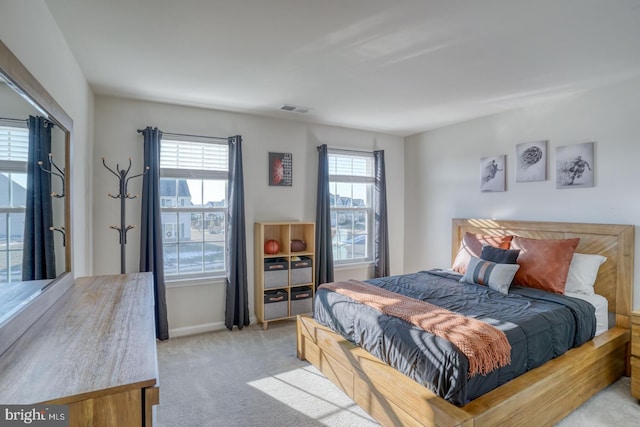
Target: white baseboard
point(202, 328)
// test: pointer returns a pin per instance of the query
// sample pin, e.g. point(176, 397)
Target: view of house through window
point(14, 143)
point(351, 181)
point(193, 204)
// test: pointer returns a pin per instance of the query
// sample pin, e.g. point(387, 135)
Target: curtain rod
point(347, 150)
point(190, 136)
point(12, 120)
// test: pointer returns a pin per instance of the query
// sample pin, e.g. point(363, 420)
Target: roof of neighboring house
point(168, 188)
point(216, 204)
point(346, 201)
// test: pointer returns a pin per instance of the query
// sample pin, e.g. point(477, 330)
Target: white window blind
point(14, 144)
point(201, 156)
point(347, 167)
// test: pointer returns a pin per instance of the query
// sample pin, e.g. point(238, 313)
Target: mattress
point(601, 306)
point(539, 326)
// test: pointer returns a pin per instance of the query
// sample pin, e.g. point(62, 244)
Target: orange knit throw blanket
point(486, 347)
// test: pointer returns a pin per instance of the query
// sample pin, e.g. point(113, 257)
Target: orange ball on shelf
point(271, 247)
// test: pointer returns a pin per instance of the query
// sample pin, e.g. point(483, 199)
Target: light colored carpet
point(253, 378)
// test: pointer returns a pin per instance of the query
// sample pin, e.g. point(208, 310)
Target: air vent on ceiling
point(288, 107)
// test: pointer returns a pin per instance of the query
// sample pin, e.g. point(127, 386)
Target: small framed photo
point(280, 169)
point(492, 173)
point(574, 166)
point(531, 161)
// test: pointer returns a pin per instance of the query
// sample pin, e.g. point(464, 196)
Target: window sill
point(195, 281)
point(353, 265)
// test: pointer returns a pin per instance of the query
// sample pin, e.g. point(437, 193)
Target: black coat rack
point(59, 174)
point(123, 195)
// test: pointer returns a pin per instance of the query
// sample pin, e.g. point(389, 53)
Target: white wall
point(28, 29)
point(201, 307)
point(443, 169)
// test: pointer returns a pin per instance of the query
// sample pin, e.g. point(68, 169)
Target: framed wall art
point(492, 173)
point(574, 166)
point(281, 169)
point(531, 161)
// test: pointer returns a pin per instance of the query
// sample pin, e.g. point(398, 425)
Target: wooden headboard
point(616, 242)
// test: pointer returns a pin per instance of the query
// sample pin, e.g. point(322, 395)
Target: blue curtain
point(324, 244)
point(151, 228)
point(237, 303)
point(38, 259)
point(381, 250)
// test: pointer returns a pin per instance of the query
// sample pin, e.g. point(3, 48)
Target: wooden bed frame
point(542, 396)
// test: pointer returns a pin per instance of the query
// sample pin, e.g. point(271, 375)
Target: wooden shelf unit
point(290, 281)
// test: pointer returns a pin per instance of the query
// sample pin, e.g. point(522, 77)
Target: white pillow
point(582, 273)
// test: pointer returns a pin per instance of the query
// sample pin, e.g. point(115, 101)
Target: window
point(14, 147)
point(351, 188)
point(193, 204)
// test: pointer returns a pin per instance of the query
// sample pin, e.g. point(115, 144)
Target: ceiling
point(393, 66)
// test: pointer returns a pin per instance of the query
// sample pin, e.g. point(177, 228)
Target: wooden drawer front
point(635, 339)
point(635, 377)
point(119, 409)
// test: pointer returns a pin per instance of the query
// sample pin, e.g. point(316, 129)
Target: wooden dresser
point(635, 354)
point(94, 350)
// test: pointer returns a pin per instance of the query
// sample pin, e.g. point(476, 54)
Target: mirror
point(22, 96)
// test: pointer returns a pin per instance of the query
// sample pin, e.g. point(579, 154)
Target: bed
point(541, 396)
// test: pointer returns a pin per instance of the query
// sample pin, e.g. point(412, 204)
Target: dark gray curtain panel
point(151, 228)
point(38, 259)
point(381, 249)
point(237, 304)
point(324, 244)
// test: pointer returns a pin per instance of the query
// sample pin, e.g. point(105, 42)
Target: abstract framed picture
point(574, 166)
point(531, 161)
point(492, 173)
point(281, 169)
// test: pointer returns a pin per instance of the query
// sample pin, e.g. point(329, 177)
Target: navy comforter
point(539, 326)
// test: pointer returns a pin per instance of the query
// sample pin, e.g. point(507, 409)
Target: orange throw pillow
point(544, 263)
point(471, 245)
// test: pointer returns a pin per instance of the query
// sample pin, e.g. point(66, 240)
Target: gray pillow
point(497, 276)
point(498, 255)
